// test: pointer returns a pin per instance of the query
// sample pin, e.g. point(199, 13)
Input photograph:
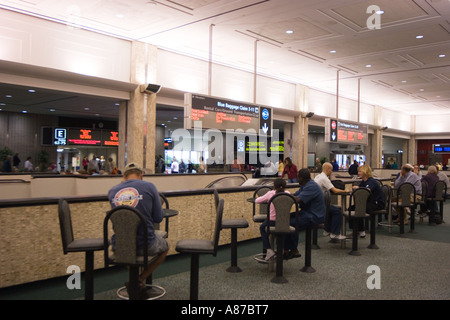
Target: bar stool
point(404, 193)
point(232, 224)
point(358, 199)
point(126, 222)
point(439, 190)
point(79, 245)
point(260, 216)
point(195, 247)
point(283, 203)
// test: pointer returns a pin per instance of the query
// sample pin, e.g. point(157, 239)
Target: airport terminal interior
point(209, 98)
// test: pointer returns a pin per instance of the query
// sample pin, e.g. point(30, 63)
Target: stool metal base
point(234, 269)
point(308, 269)
point(278, 279)
point(154, 292)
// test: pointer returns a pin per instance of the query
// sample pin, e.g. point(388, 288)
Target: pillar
point(299, 129)
point(137, 117)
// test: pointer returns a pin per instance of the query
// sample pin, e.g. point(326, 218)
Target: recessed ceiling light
point(442, 56)
point(289, 31)
point(31, 91)
point(8, 96)
point(419, 36)
point(51, 110)
point(404, 81)
point(368, 66)
point(86, 109)
point(24, 111)
point(97, 114)
point(422, 89)
point(332, 51)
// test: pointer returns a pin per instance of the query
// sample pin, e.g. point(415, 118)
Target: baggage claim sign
point(337, 131)
point(221, 114)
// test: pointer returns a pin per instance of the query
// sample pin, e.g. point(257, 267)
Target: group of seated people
point(144, 196)
point(310, 197)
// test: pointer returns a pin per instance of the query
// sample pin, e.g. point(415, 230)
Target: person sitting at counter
point(377, 200)
point(312, 205)
point(278, 186)
point(332, 227)
point(142, 195)
point(407, 175)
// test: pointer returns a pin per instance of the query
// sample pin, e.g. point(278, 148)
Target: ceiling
point(404, 65)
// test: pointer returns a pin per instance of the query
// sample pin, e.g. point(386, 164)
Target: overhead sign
point(441, 148)
point(60, 137)
point(85, 137)
point(344, 132)
point(110, 138)
point(223, 114)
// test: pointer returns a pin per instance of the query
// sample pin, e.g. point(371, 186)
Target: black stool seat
point(195, 246)
point(234, 224)
point(78, 245)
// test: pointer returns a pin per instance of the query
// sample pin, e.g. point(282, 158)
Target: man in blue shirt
point(312, 205)
point(143, 196)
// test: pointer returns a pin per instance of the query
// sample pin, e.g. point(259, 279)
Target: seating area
point(186, 276)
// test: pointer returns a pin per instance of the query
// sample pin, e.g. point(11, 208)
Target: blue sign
point(265, 114)
point(60, 137)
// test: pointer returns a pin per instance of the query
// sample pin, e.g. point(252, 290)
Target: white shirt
point(28, 166)
point(323, 181)
point(174, 166)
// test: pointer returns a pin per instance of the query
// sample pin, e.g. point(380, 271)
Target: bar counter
point(30, 237)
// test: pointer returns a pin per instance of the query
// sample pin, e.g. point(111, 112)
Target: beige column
point(299, 133)
point(376, 149)
point(137, 120)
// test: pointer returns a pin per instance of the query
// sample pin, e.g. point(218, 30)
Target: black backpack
point(338, 184)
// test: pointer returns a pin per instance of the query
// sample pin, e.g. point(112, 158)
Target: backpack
point(338, 184)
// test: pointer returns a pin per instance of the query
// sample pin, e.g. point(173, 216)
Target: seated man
point(312, 205)
point(332, 227)
point(143, 196)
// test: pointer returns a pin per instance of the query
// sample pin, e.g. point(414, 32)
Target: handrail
point(14, 181)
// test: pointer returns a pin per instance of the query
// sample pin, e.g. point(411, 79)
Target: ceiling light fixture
point(289, 31)
point(419, 36)
point(442, 56)
point(332, 51)
point(31, 91)
point(368, 66)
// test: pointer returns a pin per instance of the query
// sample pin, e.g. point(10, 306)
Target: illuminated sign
point(110, 138)
point(222, 114)
point(345, 132)
point(441, 148)
point(261, 146)
point(60, 137)
point(85, 137)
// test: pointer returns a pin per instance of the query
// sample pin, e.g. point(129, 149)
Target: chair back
point(440, 189)
point(283, 204)
point(164, 201)
point(258, 193)
point(125, 223)
point(387, 194)
point(358, 199)
point(218, 226)
point(216, 198)
point(405, 190)
point(424, 190)
point(65, 224)
point(327, 196)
